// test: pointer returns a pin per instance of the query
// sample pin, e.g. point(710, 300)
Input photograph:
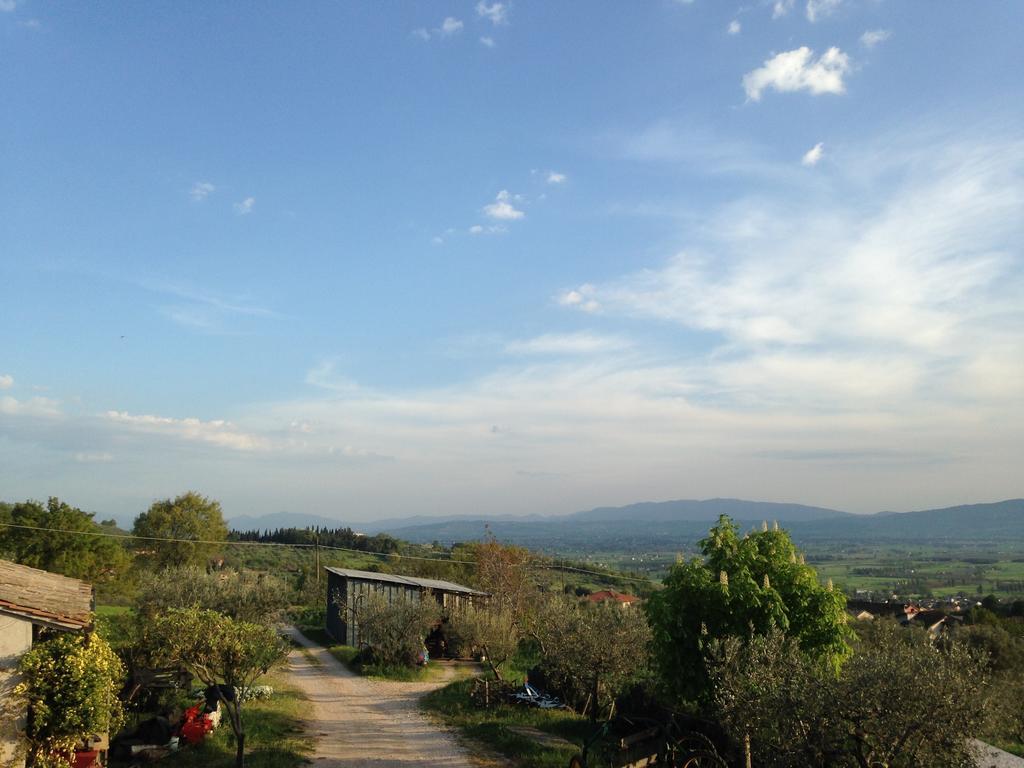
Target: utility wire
point(168, 539)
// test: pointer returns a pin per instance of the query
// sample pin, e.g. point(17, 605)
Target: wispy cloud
point(449, 27)
point(503, 208)
point(201, 190)
point(6, 381)
point(873, 37)
point(7, 6)
point(34, 406)
point(245, 207)
point(781, 7)
point(798, 70)
point(554, 177)
point(819, 9)
point(579, 343)
point(734, 27)
point(813, 155)
point(93, 457)
point(580, 298)
point(217, 432)
point(496, 13)
point(487, 42)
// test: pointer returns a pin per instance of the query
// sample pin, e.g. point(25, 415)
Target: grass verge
point(274, 736)
point(493, 729)
point(347, 655)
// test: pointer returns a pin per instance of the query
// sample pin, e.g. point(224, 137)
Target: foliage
point(593, 651)
point(491, 630)
point(901, 700)
point(502, 572)
point(70, 682)
point(274, 731)
point(241, 595)
point(494, 729)
point(394, 632)
point(220, 649)
point(345, 538)
point(190, 516)
point(742, 588)
point(96, 558)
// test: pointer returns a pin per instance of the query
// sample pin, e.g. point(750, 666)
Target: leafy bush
point(491, 632)
point(394, 632)
point(901, 700)
point(71, 683)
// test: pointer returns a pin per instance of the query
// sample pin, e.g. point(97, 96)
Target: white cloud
point(813, 155)
point(6, 6)
point(201, 190)
point(580, 298)
point(797, 70)
point(34, 406)
point(734, 27)
point(421, 33)
point(906, 292)
point(781, 7)
point(554, 177)
point(487, 42)
point(581, 343)
point(217, 432)
point(819, 9)
point(496, 13)
point(6, 381)
point(450, 26)
point(245, 207)
point(93, 457)
point(502, 208)
point(873, 37)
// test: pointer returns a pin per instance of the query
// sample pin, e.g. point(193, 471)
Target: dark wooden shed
point(346, 587)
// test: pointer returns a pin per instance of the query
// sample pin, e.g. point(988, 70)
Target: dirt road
point(362, 723)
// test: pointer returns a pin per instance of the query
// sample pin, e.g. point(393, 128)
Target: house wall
point(15, 639)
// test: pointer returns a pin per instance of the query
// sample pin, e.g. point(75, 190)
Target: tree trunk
point(240, 751)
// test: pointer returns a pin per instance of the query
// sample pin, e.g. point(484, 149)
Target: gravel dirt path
point(363, 723)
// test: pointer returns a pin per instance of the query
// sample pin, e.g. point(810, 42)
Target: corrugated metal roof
point(438, 585)
point(43, 597)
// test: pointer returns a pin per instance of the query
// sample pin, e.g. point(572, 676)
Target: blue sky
point(381, 259)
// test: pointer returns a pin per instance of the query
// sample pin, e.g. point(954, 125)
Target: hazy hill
point(679, 524)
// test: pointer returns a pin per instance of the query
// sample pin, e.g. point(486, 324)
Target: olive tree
point(740, 587)
point(492, 630)
point(593, 651)
point(901, 700)
point(241, 595)
point(220, 650)
point(394, 632)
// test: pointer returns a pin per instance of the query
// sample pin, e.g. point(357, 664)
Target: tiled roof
point(438, 585)
point(611, 594)
point(44, 598)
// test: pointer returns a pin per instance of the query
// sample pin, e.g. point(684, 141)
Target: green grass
point(346, 654)
point(274, 736)
point(490, 728)
point(113, 610)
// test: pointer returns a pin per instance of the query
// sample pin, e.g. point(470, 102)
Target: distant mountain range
point(677, 524)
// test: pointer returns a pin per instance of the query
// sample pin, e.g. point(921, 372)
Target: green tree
point(190, 516)
point(241, 595)
point(67, 545)
point(220, 650)
point(70, 682)
point(900, 701)
point(742, 587)
point(593, 652)
point(491, 630)
point(395, 631)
